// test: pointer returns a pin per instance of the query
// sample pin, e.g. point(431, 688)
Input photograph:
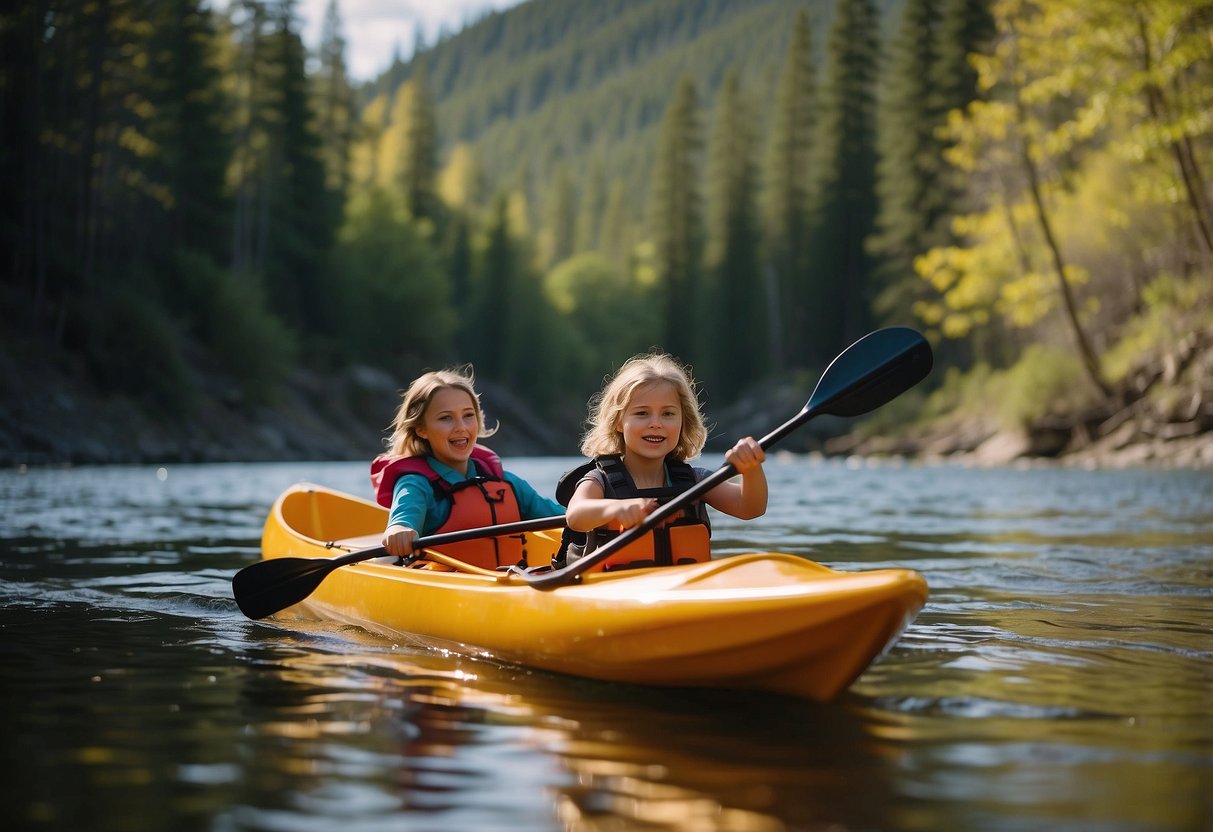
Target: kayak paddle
point(268, 586)
point(873, 371)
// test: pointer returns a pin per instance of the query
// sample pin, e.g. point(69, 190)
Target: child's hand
point(746, 455)
point(628, 513)
point(398, 540)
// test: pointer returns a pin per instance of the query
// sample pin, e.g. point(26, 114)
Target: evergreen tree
point(911, 200)
point(738, 311)
point(589, 210)
point(176, 149)
point(518, 203)
point(674, 220)
point(366, 157)
point(511, 314)
point(188, 241)
point(389, 270)
point(334, 106)
point(419, 166)
point(114, 162)
point(253, 120)
point(613, 239)
point(559, 226)
point(494, 284)
point(408, 151)
point(459, 264)
point(844, 202)
point(965, 27)
point(297, 235)
point(785, 192)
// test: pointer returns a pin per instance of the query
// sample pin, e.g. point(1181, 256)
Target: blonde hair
point(603, 436)
point(404, 440)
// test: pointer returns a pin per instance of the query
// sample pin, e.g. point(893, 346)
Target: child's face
point(450, 426)
point(651, 423)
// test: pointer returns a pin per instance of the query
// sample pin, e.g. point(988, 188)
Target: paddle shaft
point(273, 584)
point(695, 492)
point(435, 540)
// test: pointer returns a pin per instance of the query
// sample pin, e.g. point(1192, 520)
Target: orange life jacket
point(487, 499)
point(681, 538)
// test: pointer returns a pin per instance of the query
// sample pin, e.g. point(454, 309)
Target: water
point(1060, 676)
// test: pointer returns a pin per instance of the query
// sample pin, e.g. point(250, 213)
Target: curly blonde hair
point(404, 440)
point(604, 437)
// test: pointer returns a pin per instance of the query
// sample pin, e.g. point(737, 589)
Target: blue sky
point(374, 28)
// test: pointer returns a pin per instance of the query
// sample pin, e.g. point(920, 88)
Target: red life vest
point(487, 499)
point(682, 538)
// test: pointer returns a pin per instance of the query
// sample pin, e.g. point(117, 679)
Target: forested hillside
point(583, 84)
point(196, 209)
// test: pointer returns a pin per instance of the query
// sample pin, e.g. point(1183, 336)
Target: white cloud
point(375, 29)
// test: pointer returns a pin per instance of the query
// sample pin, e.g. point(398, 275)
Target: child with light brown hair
point(436, 478)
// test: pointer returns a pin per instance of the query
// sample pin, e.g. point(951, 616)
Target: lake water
point(1060, 676)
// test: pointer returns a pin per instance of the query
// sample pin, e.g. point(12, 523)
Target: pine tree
point(419, 170)
point(674, 219)
point(495, 292)
point(911, 200)
point(785, 194)
point(613, 239)
point(965, 27)
point(409, 149)
point(296, 236)
point(188, 129)
point(559, 224)
point(334, 98)
point(844, 201)
point(459, 265)
point(366, 156)
point(737, 315)
point(254, 115)
point(589, 210)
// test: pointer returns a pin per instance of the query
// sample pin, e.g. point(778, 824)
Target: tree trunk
point(1089, 359)
point(1181, 150)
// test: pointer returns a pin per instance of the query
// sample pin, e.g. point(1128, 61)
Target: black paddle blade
point(269, 586)
point(872, 372)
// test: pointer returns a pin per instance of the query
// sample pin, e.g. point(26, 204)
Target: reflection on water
point(448, 729)
point(1059, 676)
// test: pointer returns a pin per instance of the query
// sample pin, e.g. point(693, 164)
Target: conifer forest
point(751, 185)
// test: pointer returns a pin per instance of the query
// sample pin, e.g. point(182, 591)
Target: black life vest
point(682, 538)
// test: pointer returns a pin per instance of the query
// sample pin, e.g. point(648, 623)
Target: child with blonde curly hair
point(644, 426)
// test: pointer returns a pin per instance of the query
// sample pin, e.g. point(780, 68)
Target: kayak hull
point(762, 621)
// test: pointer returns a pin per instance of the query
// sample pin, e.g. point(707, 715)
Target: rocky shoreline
point(1130, 447)
point(54, 417)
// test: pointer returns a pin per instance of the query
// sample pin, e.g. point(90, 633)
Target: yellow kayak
point(763, 621)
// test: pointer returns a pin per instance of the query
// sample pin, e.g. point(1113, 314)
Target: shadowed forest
point(198, 206)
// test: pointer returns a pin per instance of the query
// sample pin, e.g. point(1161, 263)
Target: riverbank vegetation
point(200, 210)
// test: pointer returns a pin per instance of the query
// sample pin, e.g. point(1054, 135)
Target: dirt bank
point(53, 415)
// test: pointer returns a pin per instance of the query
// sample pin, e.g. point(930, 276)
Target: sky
point(374, 28)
